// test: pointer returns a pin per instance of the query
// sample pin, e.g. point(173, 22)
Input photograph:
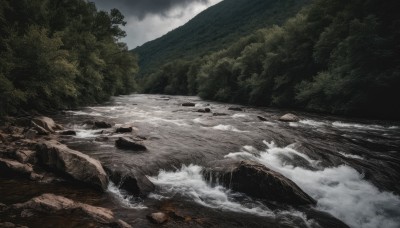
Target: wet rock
point(31, 134)
point(188, 104)
point(219, 114)
point(235, 109)
point(289, 118)
point(11, 167)
point(89, 122)
point(102, 124)
point(206, 110)
point(51, 204)
point(124, 130)
point(258, 181)
point(129, 143)
point(101, 139)
point(131, 180)
point(72, 163)
point(40, 130)
point(158, 217)
point(68, 132)
point(46, 123)
point(262, 118)
point(2, 207)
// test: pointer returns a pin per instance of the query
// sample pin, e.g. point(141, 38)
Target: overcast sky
point(150, 19)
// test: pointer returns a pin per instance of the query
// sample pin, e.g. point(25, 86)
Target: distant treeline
point(335, 56)
point(61, 54)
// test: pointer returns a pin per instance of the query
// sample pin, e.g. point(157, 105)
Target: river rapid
point(351, 167)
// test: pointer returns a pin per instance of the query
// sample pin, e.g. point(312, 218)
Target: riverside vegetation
point(334, 56)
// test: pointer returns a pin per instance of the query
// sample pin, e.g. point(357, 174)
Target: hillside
point(214, 29)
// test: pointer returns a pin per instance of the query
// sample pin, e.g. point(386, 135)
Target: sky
point(150, 19)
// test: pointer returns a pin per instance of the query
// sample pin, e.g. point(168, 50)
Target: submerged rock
point(102, 124)
point(130, 143)
point(124, 130)
point(256, 180)
point(158, 217)
point(289, 118)
point(130, 180)
point(205, 110)
point(68, 132)
point(262, 118)
point(72, 163)
point(235, 109)
point(52, 204)
point(219, 114)
point(188, 104)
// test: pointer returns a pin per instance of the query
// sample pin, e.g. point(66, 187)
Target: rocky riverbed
point(146, 160)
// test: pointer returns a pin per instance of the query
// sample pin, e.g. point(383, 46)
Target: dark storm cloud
point(141, 8)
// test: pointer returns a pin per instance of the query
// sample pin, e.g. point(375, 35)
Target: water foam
point(313, 123)
point(127, 201)
point(189, 182)
point(223, 127)
point(341, 191)
point(340, 124)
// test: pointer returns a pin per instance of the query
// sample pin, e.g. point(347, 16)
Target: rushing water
point(351, 167)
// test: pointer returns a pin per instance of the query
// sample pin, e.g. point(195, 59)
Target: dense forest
point(214, 29)
point(61, 54)
point(334, 56)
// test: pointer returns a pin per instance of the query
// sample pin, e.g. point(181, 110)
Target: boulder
point(53, 204)
point(188, 104)
point(262, 118)
point(102, 124)
point(72, 163)
point(129, 143)
point(46, 123)
point(235, 109)
point(258, 181)
point(158, 217)
point(68, 132)
point(11, 167)
point(131, 180)
point(289, 118)
point(124, 130)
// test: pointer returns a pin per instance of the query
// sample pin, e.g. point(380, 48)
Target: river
point(350, 166)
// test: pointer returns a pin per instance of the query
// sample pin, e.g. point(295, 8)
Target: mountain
point(214, 29)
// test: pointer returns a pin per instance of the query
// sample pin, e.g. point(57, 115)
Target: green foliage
point(60, 54)
point(334, 56)
point(214, 29)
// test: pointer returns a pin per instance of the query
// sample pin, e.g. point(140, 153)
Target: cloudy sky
point(150, 19)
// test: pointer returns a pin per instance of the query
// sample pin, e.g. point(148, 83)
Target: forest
point(335, 56)
point(61, 54)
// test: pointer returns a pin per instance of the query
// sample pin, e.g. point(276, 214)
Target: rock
point(289, 118)
point(7, 225)
point(89, 122)
point(68, 132)
point(235, 109)
point(25, 156)
point(262, 118)
point(219, 114)
point(124, 130)
point(188, 104)
point(206, 110)
point(31, 134)
point(102, 124)
point(72, 163)
point(130, 180)
point(2, 207)
point(11, 167)
point(46, 123)
point(53, 204)
point(130, 143)
point(101, 139)
point(258, 181)
point(158, 217)
point(40, 130)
